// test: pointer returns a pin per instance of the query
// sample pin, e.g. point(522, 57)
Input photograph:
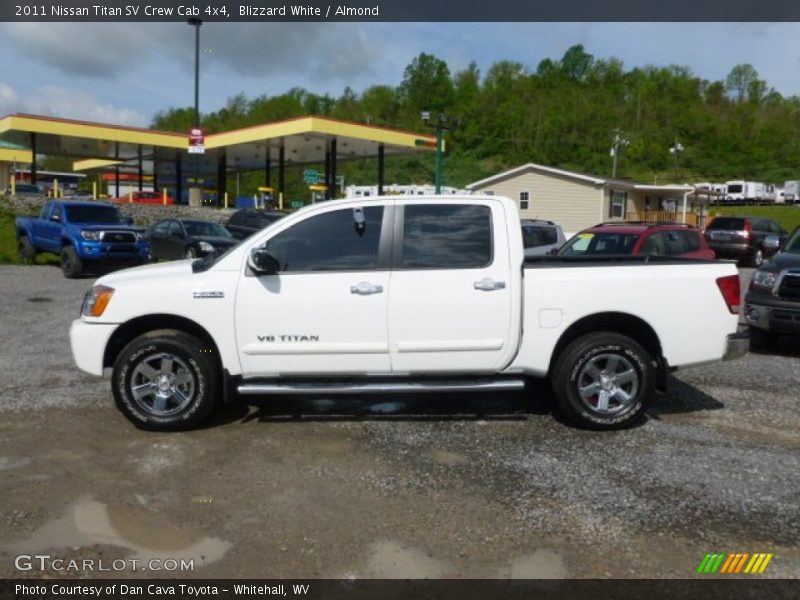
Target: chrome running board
point(483, 385)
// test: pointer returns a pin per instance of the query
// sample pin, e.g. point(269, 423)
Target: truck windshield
point(587, 244)
point(95, 214)
point(793, 245)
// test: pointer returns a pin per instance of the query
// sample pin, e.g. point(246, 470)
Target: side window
point(332, 241)
point(676, 243)
point(447, 236)
point(161, 228)
point(237, 218)
point(691, 240)
point(175, 228)
point(655, 244)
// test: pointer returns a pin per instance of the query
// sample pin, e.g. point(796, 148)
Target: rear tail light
point(731, 292)
point(747, 228)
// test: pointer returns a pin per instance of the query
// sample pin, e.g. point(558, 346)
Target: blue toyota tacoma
point(84, 235)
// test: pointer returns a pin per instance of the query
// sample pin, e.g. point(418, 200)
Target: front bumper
point(114, 253)
point(776, 319)
point(88, 341)
point(736, 346)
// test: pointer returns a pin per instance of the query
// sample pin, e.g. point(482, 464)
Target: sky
point(124, 73)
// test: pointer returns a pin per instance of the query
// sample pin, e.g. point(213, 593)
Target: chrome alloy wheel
point(608, 383)
point(162, 384)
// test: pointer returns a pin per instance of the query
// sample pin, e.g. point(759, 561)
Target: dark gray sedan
point(188, 238)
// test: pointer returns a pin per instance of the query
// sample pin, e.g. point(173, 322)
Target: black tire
point(182, 371)
point(757, 258)
point(622, 368)
point(27, 253)
point(190, 253)
point(762, 340)
point(71, 265)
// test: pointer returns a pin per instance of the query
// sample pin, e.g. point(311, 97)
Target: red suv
point(633, 238)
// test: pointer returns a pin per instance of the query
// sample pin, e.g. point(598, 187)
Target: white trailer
point(791, 191)
point(744, 192)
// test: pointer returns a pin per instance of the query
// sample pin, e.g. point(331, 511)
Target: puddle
point(392, 560)
point(542, 564)
point(450, 459)
point(90, 523)
point(7, 463)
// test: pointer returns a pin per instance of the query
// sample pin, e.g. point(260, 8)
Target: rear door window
point(447, 236)
point(691, 240)
point(727, 224)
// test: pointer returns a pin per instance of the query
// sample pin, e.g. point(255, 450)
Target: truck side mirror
point(262, 262)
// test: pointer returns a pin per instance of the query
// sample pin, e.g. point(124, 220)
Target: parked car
point(245, 222)
point(144, 198)
point(541, 237)
point(398, 295)
point(634, 238)
point(79, 195)
point(83, 234)
point(188, 238)
point(742, 238)
point(26, 189)
point(772, 303)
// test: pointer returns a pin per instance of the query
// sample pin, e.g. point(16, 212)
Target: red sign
point(196, 141)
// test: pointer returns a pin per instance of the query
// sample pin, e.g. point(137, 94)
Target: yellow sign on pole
point(164, 194)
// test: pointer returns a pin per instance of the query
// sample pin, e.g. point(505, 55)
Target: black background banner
point(402, 10)
point(740, 588)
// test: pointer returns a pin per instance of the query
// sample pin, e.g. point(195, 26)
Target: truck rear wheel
point(603, 380)
point(71, 265)
point(165, 380)
point(27, 253)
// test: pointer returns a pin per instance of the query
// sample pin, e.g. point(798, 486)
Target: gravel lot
point(467, 486)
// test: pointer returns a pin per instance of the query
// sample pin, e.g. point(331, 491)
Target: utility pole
point(442, 123)
point(619, 142)
point(196, 23)
point(676, 151)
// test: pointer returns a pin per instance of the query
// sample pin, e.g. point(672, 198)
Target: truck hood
point(107, 227)
point(784, 260)
point(153, 272)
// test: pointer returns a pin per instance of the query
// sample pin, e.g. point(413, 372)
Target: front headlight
point(139, 236)
point(95, 302)
point(764, 279)
point(88, 234)
point(206, 247)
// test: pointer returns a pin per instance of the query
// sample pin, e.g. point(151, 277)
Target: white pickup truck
point(400, 295)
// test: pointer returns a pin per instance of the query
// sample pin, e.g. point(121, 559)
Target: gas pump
point(265, 198)
point(318, 191)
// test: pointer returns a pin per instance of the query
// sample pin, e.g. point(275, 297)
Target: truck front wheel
point(165, 380)
point(71, 265)
point(603, 380)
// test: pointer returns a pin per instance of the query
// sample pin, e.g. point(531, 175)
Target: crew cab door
point(450, 307)
point(51, 228)
point(325, 309)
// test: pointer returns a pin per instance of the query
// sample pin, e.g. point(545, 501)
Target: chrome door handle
point(487, 284)
point(365, 288)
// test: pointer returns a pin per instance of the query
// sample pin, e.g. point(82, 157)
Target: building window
point(523, 200)
point(617, 208)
